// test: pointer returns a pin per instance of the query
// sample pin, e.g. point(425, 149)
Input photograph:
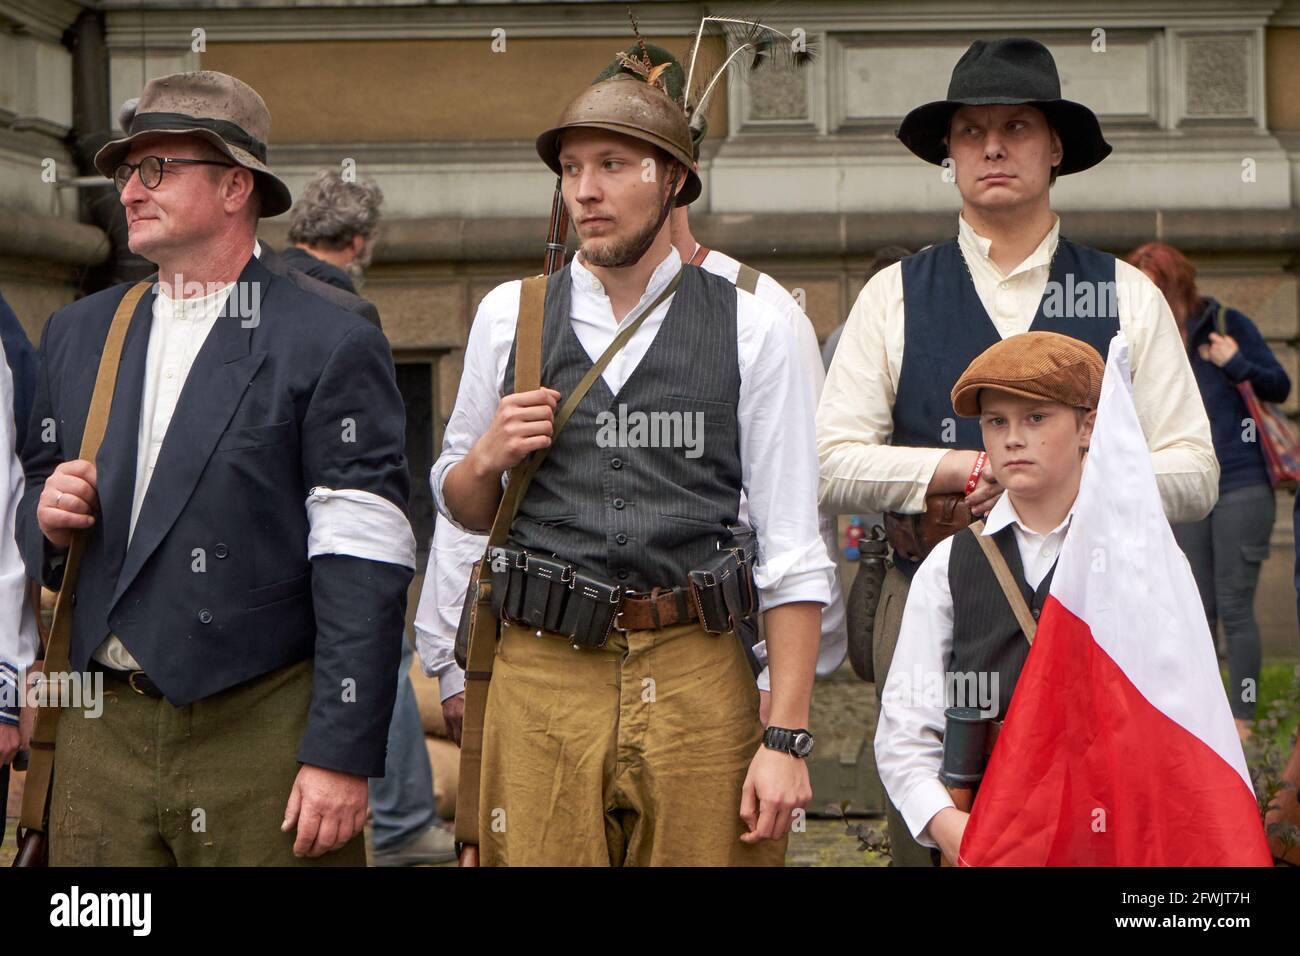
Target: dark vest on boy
point(986, 638)
point(946, 327)
point(640, 486)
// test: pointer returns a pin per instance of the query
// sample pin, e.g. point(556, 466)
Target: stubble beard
point(616, 252)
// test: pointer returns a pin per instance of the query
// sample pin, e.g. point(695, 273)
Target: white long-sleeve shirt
point(454, 551)
point(18, 638)
point(909, 734)
point(862, 473)
point(774, 414)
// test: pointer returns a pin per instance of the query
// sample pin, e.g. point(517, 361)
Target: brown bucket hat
point(225, 111)
point(1045, 365)
point(627, 105)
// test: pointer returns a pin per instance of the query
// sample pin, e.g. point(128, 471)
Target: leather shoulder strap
point(528, 376)
point(747, 279)
point(1002, 571)
point(40, 768)
point(522, 474)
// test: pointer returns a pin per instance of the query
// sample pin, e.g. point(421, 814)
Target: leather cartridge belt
point(137, 680)
point(548, 593)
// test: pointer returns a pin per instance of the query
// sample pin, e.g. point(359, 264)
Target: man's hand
point(453, 715)
point(328, 808)
point(8, 742)
point(522, 425)
point(68, 501)
point(777, 784)
point(1220, 350)
point(986, 493)
point(946, 829)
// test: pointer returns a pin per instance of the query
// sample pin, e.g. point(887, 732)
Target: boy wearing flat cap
point(1035, 396)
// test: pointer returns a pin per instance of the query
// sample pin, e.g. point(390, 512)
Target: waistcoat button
point(618, 504)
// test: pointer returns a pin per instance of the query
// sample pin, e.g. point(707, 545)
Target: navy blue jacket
point(1241, 463)
point(263, 417)
point(319, 269)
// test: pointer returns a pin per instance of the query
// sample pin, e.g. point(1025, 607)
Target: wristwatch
point(797, 743)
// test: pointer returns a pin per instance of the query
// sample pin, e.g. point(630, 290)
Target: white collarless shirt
point(909, 734)
point(862, 473)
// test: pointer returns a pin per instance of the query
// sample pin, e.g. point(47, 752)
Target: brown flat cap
point(1045, 365)
point(225, 111)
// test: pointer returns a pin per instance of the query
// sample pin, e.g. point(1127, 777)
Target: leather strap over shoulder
point(1014, 596)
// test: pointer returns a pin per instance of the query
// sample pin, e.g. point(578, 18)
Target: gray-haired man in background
point(332, 229)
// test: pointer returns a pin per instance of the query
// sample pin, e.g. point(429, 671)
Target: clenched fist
point(68, 501)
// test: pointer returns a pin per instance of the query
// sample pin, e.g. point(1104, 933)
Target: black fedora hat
point(1011, 71)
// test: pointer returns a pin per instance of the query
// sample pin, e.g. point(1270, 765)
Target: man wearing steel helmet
point(645, 747)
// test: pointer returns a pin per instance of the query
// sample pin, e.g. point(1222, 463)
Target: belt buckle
point(130, 680)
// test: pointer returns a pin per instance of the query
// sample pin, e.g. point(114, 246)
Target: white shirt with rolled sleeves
point(909, 734)
point(775, 414)
point(454, 550)
point(862, 473)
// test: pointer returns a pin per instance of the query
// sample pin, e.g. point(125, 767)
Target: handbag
point(34, 824)
point(1277, 434)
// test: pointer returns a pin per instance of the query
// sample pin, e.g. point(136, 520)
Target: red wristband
point(973, 481)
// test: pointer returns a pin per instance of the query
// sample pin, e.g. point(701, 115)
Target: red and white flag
point(1119, 747)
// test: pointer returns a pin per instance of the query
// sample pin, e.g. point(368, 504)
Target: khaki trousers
point(634, 754)
point(149, 784)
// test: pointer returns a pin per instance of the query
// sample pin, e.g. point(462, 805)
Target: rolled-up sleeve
point(778, 456)
point(861, 473)
point(1167, 400)
point(487, 352)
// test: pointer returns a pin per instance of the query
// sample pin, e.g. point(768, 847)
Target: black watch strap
point(796, 742)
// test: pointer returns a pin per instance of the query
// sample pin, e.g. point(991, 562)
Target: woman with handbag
point(1236, 372)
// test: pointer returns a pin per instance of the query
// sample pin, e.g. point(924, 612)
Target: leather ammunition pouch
point(723, 589)
point(547, 593)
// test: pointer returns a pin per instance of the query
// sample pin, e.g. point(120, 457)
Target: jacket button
point(221, 551)
point(618, 504)
point(205, 616)
point(622, 574)
point(621, 538)
point(616, 463)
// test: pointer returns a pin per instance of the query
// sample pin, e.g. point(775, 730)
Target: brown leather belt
point(662, 607)
point(137, 680)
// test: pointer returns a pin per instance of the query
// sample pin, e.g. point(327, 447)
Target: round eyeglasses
point(152, 167)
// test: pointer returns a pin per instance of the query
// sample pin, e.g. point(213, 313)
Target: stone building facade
point(802, 176)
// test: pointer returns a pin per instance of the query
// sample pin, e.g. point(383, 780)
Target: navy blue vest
point(945, 327)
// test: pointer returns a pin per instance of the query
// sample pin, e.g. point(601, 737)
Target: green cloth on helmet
point(674, 78)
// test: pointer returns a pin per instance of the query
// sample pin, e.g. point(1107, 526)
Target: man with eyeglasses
point(243, 585)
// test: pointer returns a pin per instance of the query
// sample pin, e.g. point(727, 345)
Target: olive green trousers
point(149, 784)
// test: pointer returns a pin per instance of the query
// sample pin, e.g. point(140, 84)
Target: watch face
point(803, 744)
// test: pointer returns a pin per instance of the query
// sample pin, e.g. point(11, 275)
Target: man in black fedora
point(888, 438)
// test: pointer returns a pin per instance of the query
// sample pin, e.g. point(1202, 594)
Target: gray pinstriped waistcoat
point(640, 516)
